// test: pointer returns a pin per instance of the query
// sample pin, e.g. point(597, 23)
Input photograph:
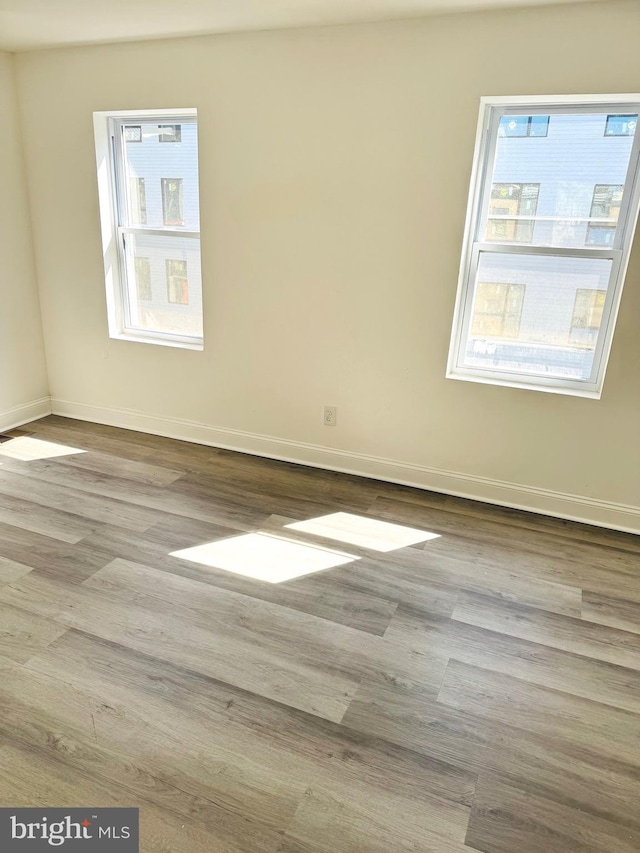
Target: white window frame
point(491, 111)
point(111, 198)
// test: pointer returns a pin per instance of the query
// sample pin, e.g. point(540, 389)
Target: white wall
point(334, 168)
point(23, 379)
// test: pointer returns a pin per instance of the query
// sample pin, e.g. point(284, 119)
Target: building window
point(605, 210)
point(587, 316)
point(170, 133)
point(133, 133)
point(512, 211)
point(524, 126)
point(527, 231)
point(497, 310)
point(618, 125)
point(138, 201)
point(177, 284)
point(172, 207)
point(150, 227)
point(143, 278)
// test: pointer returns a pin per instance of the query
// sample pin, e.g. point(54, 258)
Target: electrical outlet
point(330, 413)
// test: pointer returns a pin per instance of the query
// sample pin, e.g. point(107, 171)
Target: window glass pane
point(563, 166)
point(168, 292)
point(161, 181)
point(534, 314)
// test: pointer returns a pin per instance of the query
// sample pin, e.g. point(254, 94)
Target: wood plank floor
point(479, 691)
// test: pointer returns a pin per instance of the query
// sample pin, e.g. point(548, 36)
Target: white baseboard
point(560, 505)
point(18, 415)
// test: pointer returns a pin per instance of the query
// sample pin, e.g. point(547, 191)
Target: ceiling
point(33, 24)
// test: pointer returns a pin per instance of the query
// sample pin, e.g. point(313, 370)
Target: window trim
point(111, 198)
point(493, 108)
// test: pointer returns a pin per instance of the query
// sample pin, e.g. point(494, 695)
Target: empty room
point(320, 426)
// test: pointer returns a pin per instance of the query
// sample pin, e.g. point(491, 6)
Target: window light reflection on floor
point(265, 557)
point(363, 531)
point(28, 449)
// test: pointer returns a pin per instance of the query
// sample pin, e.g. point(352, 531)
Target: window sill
point(196, 344)
point(549, 386)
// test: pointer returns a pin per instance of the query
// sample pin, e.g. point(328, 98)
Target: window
point(587, 315)
point(170, 133)
point(512, 211)
point(547, 242)
point(177, 284)
point(172, 211)
point(605, 209)
point(133, 133)
point(497, 310)
point(137, 201)
point(621, 125)
point(524, 126)
point(143, 278)
point(151, 225)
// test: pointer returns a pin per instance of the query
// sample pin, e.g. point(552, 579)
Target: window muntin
point(145, 224)
point(586, 183)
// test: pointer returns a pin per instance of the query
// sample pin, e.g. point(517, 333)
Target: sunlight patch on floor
point(265, 557)
point(363, 531)
point(28, 449)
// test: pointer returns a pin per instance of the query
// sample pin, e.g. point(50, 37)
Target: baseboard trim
point(18, 415)
point(517, 496)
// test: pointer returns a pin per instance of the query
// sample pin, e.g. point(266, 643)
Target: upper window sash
point(493, 113)
point(118, 142)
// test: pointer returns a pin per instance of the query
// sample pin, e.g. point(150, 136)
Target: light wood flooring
point(479, 691)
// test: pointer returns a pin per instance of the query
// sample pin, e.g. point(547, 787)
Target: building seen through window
point(605, 209)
